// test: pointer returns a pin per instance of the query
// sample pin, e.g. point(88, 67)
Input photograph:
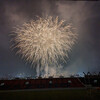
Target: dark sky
point(84, 15)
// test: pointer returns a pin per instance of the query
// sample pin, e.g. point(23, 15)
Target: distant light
point(2, 84)
point(20, 75)
point(50, 82)
point(80, 74)
point(95, 81)
point(26, 83)
point(69, 81)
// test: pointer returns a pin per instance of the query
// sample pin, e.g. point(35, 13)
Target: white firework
point(44, 41)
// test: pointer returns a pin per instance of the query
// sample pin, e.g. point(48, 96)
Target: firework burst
point(44, 41)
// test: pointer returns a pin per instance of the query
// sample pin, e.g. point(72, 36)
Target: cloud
point(76, 12)
point(14, 16)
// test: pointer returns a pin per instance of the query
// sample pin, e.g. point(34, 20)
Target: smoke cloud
point(84, 16)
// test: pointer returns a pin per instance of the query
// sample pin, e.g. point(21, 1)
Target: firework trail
point(44, 41)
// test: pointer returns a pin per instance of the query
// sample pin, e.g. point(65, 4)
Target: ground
point(51, 94)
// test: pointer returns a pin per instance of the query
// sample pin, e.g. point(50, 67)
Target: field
point(51, 94)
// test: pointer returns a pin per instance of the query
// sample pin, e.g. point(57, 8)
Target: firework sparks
point(44, 41)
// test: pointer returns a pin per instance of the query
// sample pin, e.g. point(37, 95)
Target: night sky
point(85, 17)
